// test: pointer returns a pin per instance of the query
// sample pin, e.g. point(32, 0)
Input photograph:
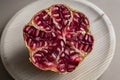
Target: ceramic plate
point(15, 55)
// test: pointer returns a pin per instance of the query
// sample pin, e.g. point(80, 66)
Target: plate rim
point(88, 3)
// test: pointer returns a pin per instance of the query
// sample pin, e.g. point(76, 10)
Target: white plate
point(15, 55)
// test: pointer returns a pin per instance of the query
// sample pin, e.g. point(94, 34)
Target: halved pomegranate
point(58, 38)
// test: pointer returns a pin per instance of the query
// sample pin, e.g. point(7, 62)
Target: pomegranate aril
point(37, 60)
point(63, 55)
point(74, 57)
point(37, 33)
point(76, 45)
point(61, 67)
point(81, 46)
point(86, 37)
point(85, 48)
point(89, 49)
point(55, 54)
point(58, 32)
point(72, 27)
point(37, 38)
point(61, 42)
point(26, 28)
point(67, 50)
point(69, 36)
point(48, 64)
point(49, 57)
point(33, 45)
point(38, 54)
point(90, 39)
point(67, 14)
point(48, 19)
point(60, 45)
point(30, 30)
point(70, 67)
point(28, 40)
point(50, 36)
point(80, 36)
point(41, 43)
point(48, 28)
point(42, 34)
point(53, 35)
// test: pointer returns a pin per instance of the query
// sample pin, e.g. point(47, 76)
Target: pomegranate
point(58, 38)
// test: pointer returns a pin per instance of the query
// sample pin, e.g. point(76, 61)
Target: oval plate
point(15, 55)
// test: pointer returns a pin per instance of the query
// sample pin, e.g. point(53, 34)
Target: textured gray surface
point(9, 7)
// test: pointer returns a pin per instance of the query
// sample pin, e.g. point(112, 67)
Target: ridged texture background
point(15, 56)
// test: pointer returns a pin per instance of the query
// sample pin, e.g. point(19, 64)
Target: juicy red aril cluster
point(58, 38)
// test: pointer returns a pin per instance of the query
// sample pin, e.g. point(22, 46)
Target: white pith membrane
point(62, 40)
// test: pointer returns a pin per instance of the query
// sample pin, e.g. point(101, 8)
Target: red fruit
point(57, 38)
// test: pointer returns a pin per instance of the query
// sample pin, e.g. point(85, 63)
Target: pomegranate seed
point(74, 57)
point(70, 67)
point(62, 67)
point(26, 29)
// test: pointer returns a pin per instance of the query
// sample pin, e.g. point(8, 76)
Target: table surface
point(9, 7)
